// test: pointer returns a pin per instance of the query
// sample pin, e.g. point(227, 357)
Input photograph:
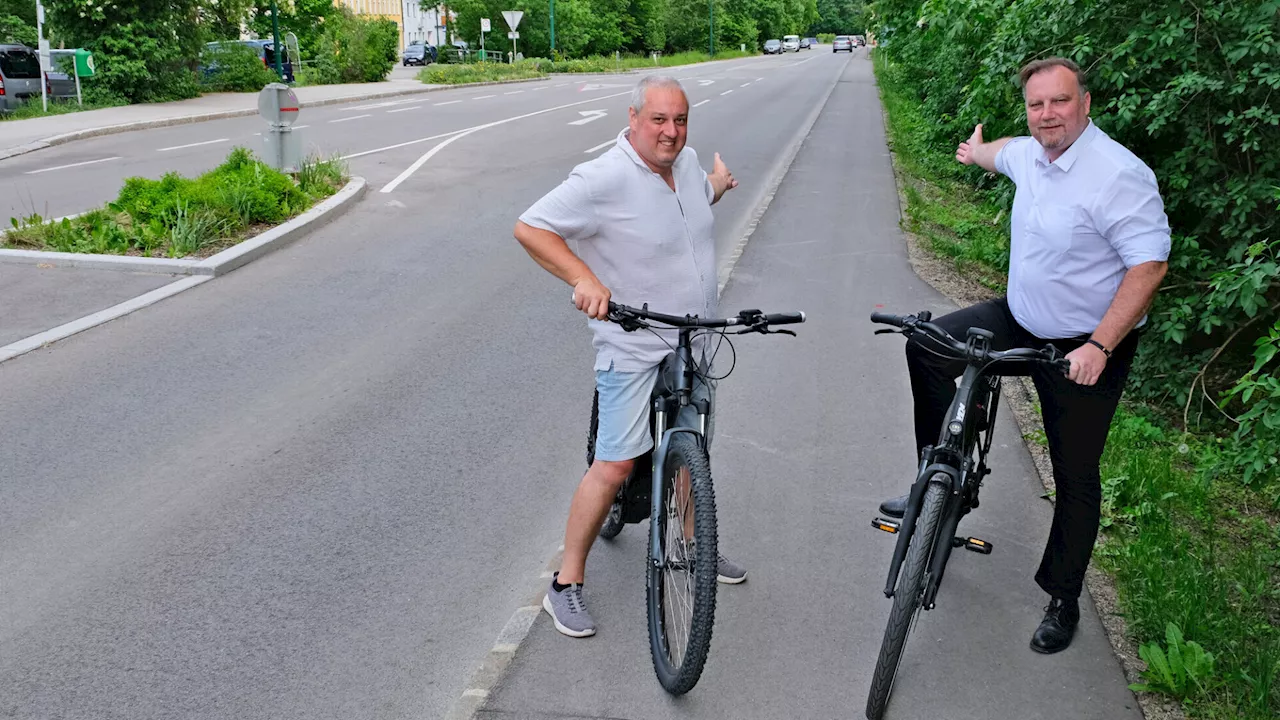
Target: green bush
point(179, 216)
point(353, 49)
point(477, 72)
point(826, 38)
point(234, 67)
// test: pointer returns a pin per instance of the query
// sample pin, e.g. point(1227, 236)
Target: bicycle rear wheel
point(907, 597)
point(681, 589)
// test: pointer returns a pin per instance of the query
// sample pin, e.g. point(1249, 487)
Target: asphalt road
point(318, 487)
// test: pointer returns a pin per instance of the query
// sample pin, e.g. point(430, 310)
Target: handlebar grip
point(784, 318)
point(887, 319)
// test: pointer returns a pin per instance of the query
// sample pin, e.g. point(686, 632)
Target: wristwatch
point(1100, 346)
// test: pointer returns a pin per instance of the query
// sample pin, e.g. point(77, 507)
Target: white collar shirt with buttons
point(1079, 223)
point(644, 241)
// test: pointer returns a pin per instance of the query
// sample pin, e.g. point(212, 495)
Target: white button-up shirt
point(645, 242)
point(1079, 223)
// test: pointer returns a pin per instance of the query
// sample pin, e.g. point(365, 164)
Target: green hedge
point(353, 49)
point(234, 67)
point(1191, 89)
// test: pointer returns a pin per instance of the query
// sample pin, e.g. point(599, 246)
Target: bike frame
point(953, 458)
point(671, 404)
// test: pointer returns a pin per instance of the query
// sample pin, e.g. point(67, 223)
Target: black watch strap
point(1100, 346)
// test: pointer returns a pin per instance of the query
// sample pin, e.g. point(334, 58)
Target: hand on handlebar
point(592, 298)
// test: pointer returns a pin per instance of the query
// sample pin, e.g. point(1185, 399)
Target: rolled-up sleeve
point(567, 211)
point(1010, 159)
point(1130, 215)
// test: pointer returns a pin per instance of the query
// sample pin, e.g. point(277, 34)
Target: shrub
point(234, 67)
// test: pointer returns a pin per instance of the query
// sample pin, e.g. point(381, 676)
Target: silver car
point(842, 42)
point(20, 76)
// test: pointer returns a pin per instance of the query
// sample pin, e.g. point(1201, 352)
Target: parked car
point(842, 42)
point(791, 43)
point(772, 47)
point(813, 42)
point(418, 53)
point(19, 76)
point(862, 41)
point(804, 44)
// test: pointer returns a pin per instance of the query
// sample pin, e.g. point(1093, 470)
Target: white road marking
point(601, 146)
point(190, 145)
point(759, 79)
point(744, 84)
point(560, 85)
point(353, 117)
point(544, 87)
point(423, 160)
point(461, 133)
point(588, 116)
point(726, 92)
point(704, 102)
point(483, 97)
point(415, 107)
point(64, 167)
point(513, 92)
point(299, 127)
point(451, 102)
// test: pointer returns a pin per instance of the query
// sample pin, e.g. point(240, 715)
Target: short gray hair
point(653, 81)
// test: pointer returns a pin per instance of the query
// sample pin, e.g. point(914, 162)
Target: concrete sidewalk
point(22, 136)
point(811, 433)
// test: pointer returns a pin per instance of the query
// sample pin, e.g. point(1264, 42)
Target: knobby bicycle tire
point(613, 521)
point(679, 679)
point(907, 597)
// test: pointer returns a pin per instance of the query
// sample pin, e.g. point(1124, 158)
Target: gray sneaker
point(729, 572)
point(568, 611)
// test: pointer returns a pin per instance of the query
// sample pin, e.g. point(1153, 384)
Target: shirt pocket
point(1050, 229)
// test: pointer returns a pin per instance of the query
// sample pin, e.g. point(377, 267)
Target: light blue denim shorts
point(623, 431)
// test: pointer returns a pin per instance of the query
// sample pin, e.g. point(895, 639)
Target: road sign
point(513, 35)
point(484, 25)
point(588, 116)
point(513, 17)
point(278, 105)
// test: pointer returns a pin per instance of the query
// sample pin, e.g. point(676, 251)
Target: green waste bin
point(84, 63)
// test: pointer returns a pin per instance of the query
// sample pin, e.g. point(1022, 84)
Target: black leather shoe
point(895, 507)
point(1057, 628)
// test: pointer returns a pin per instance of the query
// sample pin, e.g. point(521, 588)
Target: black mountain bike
point(946, 488)
point(671, 487)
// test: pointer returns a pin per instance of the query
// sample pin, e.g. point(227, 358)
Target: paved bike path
point(796, 489)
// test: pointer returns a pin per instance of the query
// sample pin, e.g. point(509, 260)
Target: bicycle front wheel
point(681, 588)
point(908, 598)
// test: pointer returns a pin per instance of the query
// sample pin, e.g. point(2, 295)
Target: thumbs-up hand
point(964, 153)
point(721, 170)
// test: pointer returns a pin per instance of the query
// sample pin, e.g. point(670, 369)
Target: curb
point(281, 235)
point(493, 666)
point(198, 272)
point(219, 264)
point(6, 153)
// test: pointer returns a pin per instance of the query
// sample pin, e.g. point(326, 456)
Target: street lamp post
point(711, 5)
point(275, 38)
point(553, 28)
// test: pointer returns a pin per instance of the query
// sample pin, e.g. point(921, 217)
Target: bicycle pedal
point(889, 526)
point(978, 546)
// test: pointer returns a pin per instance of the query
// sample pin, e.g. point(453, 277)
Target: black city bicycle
point(671, 487)
point(946, 487)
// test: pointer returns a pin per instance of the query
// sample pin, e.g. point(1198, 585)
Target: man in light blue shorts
point(640, 218)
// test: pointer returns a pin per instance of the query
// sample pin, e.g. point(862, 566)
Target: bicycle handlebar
point(753, 320)
point(913, 325)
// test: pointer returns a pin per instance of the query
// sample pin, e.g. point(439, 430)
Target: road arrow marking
point(588, 116)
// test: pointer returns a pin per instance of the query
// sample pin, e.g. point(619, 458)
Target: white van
point(790, 43)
